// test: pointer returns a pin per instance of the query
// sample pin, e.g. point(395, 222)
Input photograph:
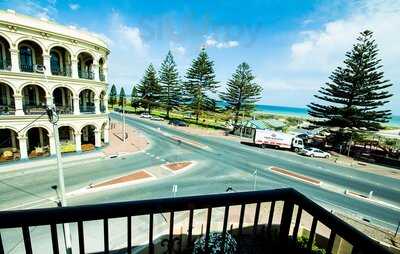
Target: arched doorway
point(63, 100)
point(85, 64)
point(34, 99)
point(7, 103)
point(67, 139)
point(30, 54)
point(9, 145)
point(88, 138)
point(86, 101)
point(60, 61)
point(5, 55)
point(104, 135)
point(38, 142)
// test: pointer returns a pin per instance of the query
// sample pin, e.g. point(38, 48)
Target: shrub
point(215, 244)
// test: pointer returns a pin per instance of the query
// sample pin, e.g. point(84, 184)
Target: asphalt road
point(223, 163)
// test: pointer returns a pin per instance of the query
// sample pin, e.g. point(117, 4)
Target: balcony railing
point(5, 64)
point(247, 240)
point(86, 74)
point(87, 109)
point(7, 110)
point(65, 110)
point(26, 68)
point(101, 75)
point(34, 109)
point(66, 71)
point(102, 109)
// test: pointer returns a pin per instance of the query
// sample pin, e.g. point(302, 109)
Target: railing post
point(285, 223)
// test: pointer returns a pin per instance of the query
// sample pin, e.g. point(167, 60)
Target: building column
point(76, 106)
point(106, 134)
point(52, 143)
point(19, 110)
point(14, 60)
point(74, 68)
point(97, 138)
point(97, 105)
point(49, 100)
point(46, 63)
point(78, 144)
point(95, 68)
point(23, 149)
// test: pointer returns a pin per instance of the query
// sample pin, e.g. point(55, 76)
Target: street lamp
point(53, 119)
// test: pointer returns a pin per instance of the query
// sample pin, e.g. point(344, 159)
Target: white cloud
point(177, 49)
point(212, 42)
point(74, 7)
point(324, 49)
point(46, 9)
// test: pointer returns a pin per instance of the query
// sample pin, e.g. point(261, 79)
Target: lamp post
point(53, 119)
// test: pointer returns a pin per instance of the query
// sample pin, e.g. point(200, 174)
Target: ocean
point(303, 112)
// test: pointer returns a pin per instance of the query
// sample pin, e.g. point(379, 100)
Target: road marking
point(157, 158)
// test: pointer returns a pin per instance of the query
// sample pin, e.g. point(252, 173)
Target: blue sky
point(292, 46)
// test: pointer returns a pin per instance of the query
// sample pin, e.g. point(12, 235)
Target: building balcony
point(7, 110)
point(26, 68)
point(277, 234)
point(34, 109)
point(87, 109)
point(102, 77)
point(66, 72)
point(65, 110)
point(5, 64)
point(86, 74)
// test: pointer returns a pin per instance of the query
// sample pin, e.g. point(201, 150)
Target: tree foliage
point(171, 89)
point(149, 88)
point(112, 97)
point(135, 101)
point(242, 91)
point(353, 97)
point(200, 82)
point(122, 97)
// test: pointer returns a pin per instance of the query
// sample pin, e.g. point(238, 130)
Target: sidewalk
point(135, 142)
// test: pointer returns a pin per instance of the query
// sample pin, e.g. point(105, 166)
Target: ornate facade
point(43, 63)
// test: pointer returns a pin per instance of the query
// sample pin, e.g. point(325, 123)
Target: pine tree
point(242, 91)
point(200, 82)
point(112, 97)
point(122, 97)
point(135, 102)
point(149, 88)
point(171, 90)
point(356, 91)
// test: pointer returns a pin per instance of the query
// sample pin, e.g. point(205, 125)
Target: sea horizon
point(303, 112)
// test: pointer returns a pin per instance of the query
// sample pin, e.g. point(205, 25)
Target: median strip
point(189, 142)
point(297, 176)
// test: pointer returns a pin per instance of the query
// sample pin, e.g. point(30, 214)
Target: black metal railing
point(5, 64)
point(65, 110)
point(26, 68)
point(24, 219)
point(102, 77)
point(87, 109)
point(85, 74)
point(7, 110)
point(102, 109)
point(57, 71)
point(34, 109)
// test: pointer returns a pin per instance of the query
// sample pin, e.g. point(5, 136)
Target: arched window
point(26, 58)
point(55, 63)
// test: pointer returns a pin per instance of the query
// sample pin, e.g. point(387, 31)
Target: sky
point(292, 46)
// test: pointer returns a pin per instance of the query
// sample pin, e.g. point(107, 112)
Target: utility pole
point(255, 180)
point(53, 119)
point(123, 120)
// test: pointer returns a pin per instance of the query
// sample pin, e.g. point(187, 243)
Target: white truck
point(278, 140)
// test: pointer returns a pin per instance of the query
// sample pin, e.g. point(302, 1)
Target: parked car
point(178, 123)
point(145, 115)
point(314, 152)
point(156, 118)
